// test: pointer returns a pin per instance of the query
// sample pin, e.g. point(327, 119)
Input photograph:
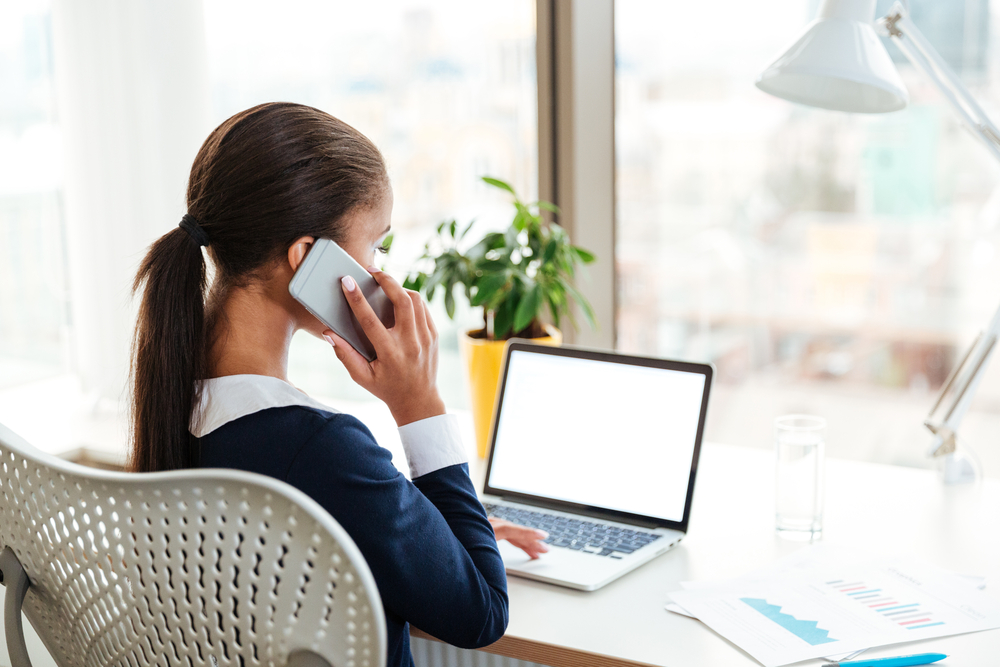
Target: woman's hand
point(527, 539)
point(404, 374)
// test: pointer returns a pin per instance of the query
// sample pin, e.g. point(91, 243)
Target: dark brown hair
point(263, 179)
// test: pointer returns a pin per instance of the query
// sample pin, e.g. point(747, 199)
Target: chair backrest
point(195, 567)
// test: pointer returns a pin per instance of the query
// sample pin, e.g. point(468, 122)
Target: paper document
point(677, 609)
point(819, 603)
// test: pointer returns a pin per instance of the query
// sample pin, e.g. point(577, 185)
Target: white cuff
point(431, 444)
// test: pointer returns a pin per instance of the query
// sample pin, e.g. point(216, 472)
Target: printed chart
point(912, 616)
point(807, 631)
point(783, 616)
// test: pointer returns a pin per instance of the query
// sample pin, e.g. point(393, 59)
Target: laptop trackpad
point(557, 563)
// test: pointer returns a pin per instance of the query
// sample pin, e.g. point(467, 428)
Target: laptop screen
point(599, 430)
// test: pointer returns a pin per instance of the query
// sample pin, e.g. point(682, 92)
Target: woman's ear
point(298, 250)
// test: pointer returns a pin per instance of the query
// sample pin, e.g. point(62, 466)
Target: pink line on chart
point(884, 604)
point(912, 622)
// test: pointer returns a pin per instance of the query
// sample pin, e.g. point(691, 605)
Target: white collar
point(225, 399)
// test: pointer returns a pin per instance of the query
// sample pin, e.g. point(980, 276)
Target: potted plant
point(515, 276)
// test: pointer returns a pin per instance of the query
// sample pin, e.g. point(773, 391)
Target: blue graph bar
point(804, 630)
point(866, 592)
point(915, 627)
point(902, 606)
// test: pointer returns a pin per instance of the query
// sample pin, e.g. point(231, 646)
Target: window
point(825, 262)
point(445, 89)
point(33, 326)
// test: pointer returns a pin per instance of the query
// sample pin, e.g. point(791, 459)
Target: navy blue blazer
point(428, 542)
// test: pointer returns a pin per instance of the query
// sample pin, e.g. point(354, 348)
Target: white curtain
point(133, 107)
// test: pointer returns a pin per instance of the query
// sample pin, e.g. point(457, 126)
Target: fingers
point(401, 303)
point(498, 523)
point(430, 324)
point(357, 366)
point(534, 549)
point(527, 539)
point(420, 317)
point(430, 320)
point(370, 324)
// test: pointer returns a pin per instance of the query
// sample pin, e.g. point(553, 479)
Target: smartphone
point(316, 285)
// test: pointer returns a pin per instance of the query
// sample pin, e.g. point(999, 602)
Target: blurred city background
point(824, 262)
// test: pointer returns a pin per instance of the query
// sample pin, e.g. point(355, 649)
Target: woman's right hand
point(404, 373)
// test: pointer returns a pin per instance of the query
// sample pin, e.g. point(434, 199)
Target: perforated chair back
point(194, 568)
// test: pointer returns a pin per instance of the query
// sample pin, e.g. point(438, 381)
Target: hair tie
point(194, 229)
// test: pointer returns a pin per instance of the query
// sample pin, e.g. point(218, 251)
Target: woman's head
point(265, 182)
point(275, 173)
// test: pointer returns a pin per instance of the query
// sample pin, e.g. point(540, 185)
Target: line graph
point(808, 631)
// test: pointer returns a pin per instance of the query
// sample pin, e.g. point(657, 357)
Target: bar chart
point(898, 610)
point(823, 602)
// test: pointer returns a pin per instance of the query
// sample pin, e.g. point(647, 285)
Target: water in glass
point(799, 443)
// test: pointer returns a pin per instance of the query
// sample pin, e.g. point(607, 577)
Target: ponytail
point(263, 179)
point(168, 353)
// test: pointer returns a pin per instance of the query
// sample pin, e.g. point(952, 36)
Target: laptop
point(598, 449)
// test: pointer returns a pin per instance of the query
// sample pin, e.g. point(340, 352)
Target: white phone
point(316, 285)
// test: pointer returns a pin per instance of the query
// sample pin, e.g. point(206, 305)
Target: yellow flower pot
point(483, 358)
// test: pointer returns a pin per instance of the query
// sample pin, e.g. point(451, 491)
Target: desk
point(890, 508)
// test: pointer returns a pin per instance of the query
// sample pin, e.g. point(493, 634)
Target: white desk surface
point(889, 508)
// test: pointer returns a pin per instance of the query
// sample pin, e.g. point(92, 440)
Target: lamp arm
point(956, 395)
point(905, 34)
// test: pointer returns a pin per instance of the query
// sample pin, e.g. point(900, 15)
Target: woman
point(210, 375)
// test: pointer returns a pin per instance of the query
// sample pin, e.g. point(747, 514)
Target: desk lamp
point(839, 63)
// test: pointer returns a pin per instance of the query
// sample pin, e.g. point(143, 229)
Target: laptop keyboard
point(585, 536)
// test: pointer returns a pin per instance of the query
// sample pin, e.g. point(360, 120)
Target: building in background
point(824, 262)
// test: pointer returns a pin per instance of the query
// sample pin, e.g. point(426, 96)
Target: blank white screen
point(596, 433)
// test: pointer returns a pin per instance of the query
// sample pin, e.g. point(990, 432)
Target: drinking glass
point(799, 443)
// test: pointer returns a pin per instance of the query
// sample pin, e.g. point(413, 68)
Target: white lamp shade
point(839, 64)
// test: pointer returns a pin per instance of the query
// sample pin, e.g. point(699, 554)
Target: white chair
point(192, 568)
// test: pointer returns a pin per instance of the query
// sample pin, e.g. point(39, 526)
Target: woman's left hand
point(527, 539)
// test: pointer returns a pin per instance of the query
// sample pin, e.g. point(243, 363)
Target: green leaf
point(466, 230)
point(432, 281)
point(449, 301)
point(415, 281)
point(584, 256)
point(582, 301)
point(547, 206)
point(453, 227)
point(553, 310)
point(487, 287)
point(387, 242)
point(487, 266)
point(550, 251)
point(497, 183)
point(527, 310)
point(491, 241)
point(520, 220)
point(503, 318)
